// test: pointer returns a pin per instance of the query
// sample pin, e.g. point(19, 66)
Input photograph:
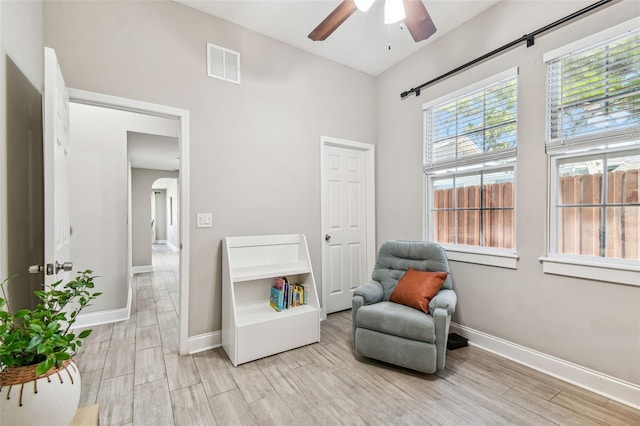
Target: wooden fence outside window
point(471, 222)
point(580, 224)
point(607, 229)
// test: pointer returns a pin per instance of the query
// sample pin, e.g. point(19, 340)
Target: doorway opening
point(153, 206)
point(164, 211)
point(146, 112)
point(165, 241)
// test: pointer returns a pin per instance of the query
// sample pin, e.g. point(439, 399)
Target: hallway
point(137, 360)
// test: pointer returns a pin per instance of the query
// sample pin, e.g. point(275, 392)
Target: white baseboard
point(203, 342)
point(141, 269)
point(104, 317)
point(171, 246)
point(619, 390)
point(160, 242)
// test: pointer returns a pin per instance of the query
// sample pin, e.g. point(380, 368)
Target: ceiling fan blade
point(418, 21)
point(333, 21)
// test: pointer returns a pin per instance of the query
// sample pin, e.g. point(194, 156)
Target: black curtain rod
point(529, 38)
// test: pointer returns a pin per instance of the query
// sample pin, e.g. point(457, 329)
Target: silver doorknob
point(66, 266)
point(327, 237)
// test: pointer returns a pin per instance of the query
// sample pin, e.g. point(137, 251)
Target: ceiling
point(153, 151)
point(362, 42)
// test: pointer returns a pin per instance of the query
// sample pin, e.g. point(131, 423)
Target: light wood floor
point(133, 370)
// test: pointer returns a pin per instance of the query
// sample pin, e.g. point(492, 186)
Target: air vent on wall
point(223, 63)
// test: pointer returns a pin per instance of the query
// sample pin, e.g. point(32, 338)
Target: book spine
point(286, 296)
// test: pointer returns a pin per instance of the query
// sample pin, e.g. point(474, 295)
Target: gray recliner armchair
point(396, 333)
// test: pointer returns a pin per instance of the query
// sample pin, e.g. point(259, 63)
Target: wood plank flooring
point(133, 370)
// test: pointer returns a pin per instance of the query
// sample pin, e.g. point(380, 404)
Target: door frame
point(182, 115)
point(370, 210)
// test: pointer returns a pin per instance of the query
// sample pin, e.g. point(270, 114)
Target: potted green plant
point(39, 383)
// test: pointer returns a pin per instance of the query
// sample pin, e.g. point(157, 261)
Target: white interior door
point(345, 247)
point(57, 229)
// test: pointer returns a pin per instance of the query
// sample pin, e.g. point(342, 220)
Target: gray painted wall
point(141, 182)
point(99, 194)
point(253, 146)
point(590, 323)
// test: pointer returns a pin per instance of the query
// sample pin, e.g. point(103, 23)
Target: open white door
point(57, 229)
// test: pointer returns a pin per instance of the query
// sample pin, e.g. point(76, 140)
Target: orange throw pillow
point(417, 288)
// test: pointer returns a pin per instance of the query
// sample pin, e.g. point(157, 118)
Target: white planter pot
point(51, 399)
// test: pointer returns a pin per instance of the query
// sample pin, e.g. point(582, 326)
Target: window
point(597, 208)
point(469, 163)
point(593, 142)
point(474, 208)
point(592, 94)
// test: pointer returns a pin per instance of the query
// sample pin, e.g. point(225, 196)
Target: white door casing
point(57, 229)
point(115, 102)
point(154, 223)
point(347, 220)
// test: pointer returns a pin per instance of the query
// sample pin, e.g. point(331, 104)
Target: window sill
point(487, 258)
point(619, 274)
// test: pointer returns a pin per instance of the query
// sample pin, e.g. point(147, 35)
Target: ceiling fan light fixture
point(393, 11)
point(363, 5)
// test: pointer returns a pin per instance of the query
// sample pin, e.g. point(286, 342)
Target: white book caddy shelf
point(251, 329)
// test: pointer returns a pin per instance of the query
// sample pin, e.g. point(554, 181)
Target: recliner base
point(412, 354)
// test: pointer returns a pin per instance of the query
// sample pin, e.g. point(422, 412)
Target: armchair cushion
point(398, 320)
point(417, 288)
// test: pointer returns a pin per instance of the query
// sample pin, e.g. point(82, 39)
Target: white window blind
point(593, 94)
point(476, 126)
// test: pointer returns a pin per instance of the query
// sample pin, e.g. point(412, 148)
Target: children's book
point(275, 301)
point(279, 283)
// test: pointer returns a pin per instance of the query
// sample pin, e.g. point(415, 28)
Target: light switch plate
point(204, 220)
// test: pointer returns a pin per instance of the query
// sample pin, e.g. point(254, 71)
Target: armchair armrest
point(367, 293)
point(445, 299)
point(370, 291)
point(441, 307)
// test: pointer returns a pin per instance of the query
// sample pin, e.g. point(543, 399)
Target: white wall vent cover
point(223, 63)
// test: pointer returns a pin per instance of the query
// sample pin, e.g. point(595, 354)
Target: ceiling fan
point(415, 15)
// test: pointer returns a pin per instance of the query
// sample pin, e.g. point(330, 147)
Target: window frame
point(468, 90)
point(552, 249)
point(594, 41)
point(507, 159)
point(483, 255)
point(613, 270)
